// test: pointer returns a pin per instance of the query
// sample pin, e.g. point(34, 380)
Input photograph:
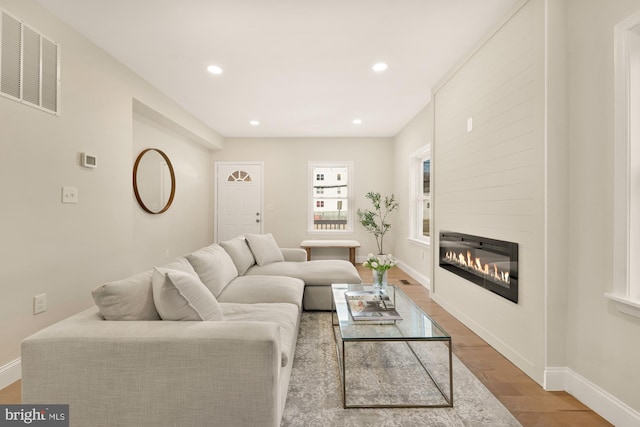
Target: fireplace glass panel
point(490, 263)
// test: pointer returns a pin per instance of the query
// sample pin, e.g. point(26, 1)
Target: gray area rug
point(379, 373)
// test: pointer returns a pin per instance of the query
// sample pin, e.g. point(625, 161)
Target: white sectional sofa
point(205, 340)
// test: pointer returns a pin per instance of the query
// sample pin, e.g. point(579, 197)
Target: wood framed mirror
point(154, 182)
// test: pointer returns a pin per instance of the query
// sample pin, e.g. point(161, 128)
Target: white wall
point(562, 118)
point(67, 250)
point(415, 258)
point(286, 182)
point(603, 344)
point(189, 221)
point(490, 181)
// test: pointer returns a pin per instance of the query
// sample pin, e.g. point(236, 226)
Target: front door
point(238, 199)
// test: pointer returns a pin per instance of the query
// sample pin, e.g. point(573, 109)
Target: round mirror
point(154, 182)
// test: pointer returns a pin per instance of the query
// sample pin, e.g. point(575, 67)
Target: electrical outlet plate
point(40, 303)
point(69, 195)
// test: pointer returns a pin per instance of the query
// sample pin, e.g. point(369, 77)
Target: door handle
point(257, 220)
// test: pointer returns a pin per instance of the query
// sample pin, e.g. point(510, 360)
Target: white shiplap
point(490, 181)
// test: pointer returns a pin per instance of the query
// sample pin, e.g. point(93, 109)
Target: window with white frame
point(421, 195)
point(626, 287)
point(330, 194)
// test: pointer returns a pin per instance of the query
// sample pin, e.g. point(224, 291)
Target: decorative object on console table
point(379, 266)
point(376, 221)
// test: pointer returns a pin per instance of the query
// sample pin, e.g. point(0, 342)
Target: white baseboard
point(10, 373)
point(420, 278)
point(600, 401)
point(501, 346)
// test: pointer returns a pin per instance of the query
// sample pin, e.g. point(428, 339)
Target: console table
point(351, 244)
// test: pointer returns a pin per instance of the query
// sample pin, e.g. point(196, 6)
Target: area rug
point(315, 397)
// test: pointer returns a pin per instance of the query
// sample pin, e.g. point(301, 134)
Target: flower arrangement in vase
point(379, 266)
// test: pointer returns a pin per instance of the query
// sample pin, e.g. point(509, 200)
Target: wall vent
point(29, 65)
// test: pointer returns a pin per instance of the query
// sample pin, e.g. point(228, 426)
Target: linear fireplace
point(490, 263)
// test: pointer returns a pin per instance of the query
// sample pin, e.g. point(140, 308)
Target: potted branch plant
point(375, 221)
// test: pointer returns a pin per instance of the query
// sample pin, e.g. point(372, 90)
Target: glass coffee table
point(392, 363)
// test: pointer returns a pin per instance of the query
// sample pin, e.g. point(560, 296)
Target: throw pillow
point(182, 296)
point(264, 248)
point(127, 299)
point(214, 266)
point(240, 253)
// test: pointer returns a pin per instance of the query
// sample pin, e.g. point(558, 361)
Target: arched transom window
point(239, 176)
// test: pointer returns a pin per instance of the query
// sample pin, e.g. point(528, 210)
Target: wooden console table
point(351, 244)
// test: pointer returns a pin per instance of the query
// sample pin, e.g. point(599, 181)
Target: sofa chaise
point(205, 340)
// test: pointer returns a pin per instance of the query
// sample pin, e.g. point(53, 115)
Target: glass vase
point(379, 280)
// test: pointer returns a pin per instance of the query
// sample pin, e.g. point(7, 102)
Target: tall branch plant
point(375, 221)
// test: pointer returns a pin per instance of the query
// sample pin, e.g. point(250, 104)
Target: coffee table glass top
point(415, 324)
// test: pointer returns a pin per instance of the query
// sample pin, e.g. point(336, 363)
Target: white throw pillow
point(214, 266)
point(182, 296)
point(240, 253)
point(127, 299)
point(264, 248)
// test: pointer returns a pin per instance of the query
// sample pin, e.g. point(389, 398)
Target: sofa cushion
point(319, 272)
point(240, 253)
point(180, 264)
point(127, 299)
point(263, 289)
point(264, 248)
point(182, 296)
point(214, 266)
point(285, 315)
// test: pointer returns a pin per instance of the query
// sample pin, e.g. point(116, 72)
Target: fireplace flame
point(475, 264)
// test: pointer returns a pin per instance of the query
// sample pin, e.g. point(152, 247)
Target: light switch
point(469, 124)
point(69, 195)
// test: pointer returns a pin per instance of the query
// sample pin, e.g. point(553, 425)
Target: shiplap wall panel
point(490, 181)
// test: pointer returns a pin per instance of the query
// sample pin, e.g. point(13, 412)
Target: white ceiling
point(300, 67)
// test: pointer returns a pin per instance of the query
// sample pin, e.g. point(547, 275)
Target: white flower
point(374, 264)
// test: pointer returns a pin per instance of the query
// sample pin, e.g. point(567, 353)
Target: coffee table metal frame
point(341, 320)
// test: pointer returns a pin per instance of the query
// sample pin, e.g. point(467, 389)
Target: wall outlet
point(40, 303)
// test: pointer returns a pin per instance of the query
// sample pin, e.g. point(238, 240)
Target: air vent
point(29, 65)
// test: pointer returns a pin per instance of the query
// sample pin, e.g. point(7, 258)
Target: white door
point(238, 199)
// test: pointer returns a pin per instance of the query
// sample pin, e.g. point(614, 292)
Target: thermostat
point(89, 161)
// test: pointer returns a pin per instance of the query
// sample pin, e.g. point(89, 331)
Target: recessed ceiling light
point(380, 67)
point(357, 121)
point(214, 69)
point(254, 123)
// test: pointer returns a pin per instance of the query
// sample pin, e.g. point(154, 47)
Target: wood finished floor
point(523, 397)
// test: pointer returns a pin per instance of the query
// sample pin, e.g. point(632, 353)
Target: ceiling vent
point(29, 65)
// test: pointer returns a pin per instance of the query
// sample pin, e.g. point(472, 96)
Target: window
point(421, 196)
point(626, 292)
point(239, 176)
point(330, 195)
